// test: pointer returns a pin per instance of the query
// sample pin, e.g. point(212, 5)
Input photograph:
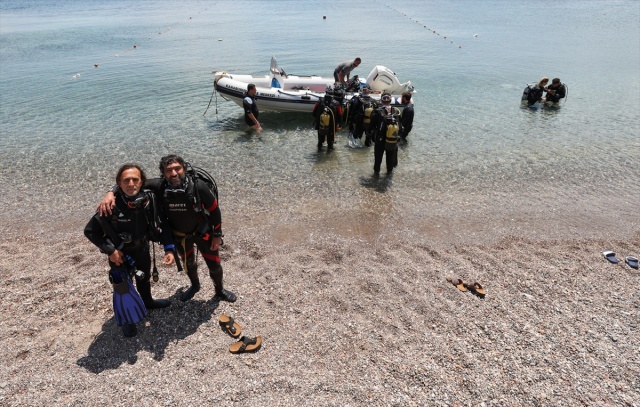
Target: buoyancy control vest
point(390, 125)
point(368, 107)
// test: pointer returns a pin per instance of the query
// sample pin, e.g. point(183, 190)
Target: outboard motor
point(385, 80)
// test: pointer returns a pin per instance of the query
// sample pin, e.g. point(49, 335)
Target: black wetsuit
point(134, 224)
point(357, 115)
point(250, 106)
point(379, 129)
point(533, 94)
point(560, 92)
point(336, 120)
point(406, 118)
point(192, 220)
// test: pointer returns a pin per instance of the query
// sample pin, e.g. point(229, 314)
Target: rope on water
point(211, 98)
point(424, 25)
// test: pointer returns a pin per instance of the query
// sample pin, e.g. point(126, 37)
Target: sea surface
point(88, 85)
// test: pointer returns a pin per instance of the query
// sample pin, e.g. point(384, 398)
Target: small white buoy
point(475, 35)
point(219, 39)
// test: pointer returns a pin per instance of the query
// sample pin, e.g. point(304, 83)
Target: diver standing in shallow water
point(124, 237)
point(327, 116)
point(250, 106)
point(533, 93)
point(361, 107)
point(556, 91)
point(193, 214)
point(406, 117)
point(387, 128)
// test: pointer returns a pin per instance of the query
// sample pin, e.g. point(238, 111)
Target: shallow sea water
point(477, 166)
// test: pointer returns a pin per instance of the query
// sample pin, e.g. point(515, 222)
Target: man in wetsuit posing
point(124, 235)
point(195, 221)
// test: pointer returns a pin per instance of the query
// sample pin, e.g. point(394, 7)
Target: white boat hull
point(280, 92)
point(279, 100)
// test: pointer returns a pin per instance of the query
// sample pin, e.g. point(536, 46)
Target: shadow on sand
point(161, 327)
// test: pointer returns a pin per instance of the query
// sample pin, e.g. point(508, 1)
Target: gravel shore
point(343, 323)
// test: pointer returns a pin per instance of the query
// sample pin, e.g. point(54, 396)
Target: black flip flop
point(611, 256)
point(632, 262)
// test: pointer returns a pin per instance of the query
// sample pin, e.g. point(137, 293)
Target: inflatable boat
point(281, 92)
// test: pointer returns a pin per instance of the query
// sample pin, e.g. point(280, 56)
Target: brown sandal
point(458, 283)
point(229, 325)
point(476, 288)
point(246, 344)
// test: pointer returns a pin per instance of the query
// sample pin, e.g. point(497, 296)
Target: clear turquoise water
point(476, 159)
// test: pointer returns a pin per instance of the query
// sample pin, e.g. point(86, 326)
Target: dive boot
point(195, 285)
point(154, 304)
point(225, 295)
point(129, 330)
point(187, 295)
point(221, 294)
point(144, 287)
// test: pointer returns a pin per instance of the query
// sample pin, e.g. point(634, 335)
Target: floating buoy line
point(425, 26)
point(132, 48)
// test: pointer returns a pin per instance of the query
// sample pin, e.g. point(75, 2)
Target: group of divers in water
point(533, 93)
point(381, 124)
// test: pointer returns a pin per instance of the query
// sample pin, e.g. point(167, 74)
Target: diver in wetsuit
point(327, 114)
point(250, 107)
point(533, 93)
point(556, 91)
point(360, 111)
point(131, 222)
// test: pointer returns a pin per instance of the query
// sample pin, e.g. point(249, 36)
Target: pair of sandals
point(630, 260)
point(245, 344)
point(475, 287)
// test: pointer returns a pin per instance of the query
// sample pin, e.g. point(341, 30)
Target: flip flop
point(632, 262)
point(476, 288)
point(458, 283)
point(611, 256)
point(229, 325)
point(246, 344)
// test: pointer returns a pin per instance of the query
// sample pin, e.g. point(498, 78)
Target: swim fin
point(128, 307)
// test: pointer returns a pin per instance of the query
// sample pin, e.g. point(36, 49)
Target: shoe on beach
point(129, 330)
point(225, 295)
point(611, 256)
point(632, 262)
point(460, 285)
point(476, 288)
point(229, 325)
point(155, 304)
point(246, 344)
point(187, 295)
